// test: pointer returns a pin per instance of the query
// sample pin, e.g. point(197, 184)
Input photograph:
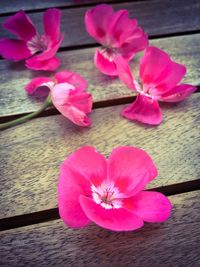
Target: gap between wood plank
point(52, 214)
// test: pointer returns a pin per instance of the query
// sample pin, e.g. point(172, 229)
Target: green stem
point(25, 118)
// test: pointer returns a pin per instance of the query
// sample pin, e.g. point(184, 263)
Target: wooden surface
point(30, 165)
point(31, 234)
point(183, 49)
point(153, 16)
point(173, 243)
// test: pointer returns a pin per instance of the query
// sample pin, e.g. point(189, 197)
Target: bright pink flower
point(68, 94)
point(31, 42)
point(109, 192)
point(117, 34)
point(159, 80)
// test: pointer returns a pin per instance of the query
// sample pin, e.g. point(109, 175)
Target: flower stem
point(25, 118)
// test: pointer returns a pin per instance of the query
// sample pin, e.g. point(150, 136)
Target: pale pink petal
point(72, 78)
point(124, 72)
point(21, 25)
point(97, 21)
point(32, 86)
point(178, 93)
point(144, 109)
point(130, 169)
point(105, 65)
point(14, 49)
point(70, 185)
point(36, 64)
point(89, 163)
point(113, 219)
point(51, 22)
point(150, 206)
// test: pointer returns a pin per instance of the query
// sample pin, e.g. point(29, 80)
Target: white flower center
point(38, 43)
point(107, 196)
point(108, 52)
point(148, 90)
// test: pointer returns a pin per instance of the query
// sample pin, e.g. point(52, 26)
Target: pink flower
point(109, 192)
point(159, 80)
point(117, 34)
point(68, 94)
point(30, 42)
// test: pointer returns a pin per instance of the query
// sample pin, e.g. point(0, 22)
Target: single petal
point(150, 206)
point(14, 49)
point(97, 21)
point(144, 109)
point(124, 72)
point(51, 22)
point(81, 101)
point(32, 86)
point(178, 93)
point(130, 169)
point(72, 78)
point(70, 185)
point(104, 64)
point(113, 219)
point(21, 25)
point(36, 64)
point(89, 163)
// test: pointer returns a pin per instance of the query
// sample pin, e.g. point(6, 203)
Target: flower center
point(148, 90)
point(108, 52)
point(107, 196)
point(38, 43)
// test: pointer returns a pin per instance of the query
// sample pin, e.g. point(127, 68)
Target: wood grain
point(31, 153)
point(172, 243)
point(156, 17)
point(14, 100)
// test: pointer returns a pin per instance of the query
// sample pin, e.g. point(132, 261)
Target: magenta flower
point(109, 192)
point(159, 80)
point(68, 94)
point(117, 34)
point(30, 42)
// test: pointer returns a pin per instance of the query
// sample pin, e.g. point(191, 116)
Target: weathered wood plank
point(14, 6)
point(173, 243)
point(156, 17)
point(31, 153)
point(14, 100)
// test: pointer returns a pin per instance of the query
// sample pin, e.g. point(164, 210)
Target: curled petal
point(178, 93)
point(14, 49)
point(150, 206)
point(105, 65)
point(113, 219)
point(51, 22)
point(97, 21)
point(21, 25)
point(35, 63)
point(32, 86)
point(144, 109)
point(72, 78)
point(130, 169)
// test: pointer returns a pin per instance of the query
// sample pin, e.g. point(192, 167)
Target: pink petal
point(178, 93)
point(51, 22)
point(144, 109)
point(104, 64)
point(130, 169)
point(36, 64)
point(72, 78)
point(113, 219)
point(97, 21)
point(150, 206)
point(14, 49)
point(124, 72)
point(71, 184)
point(81, 101)
point(21, 25)
point(32, 86)
point(89, 163)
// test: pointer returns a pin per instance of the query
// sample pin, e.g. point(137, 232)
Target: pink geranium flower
point(30, 42)
point(117, 34)
point(68, 94)
point(159, 81)
point(110, 192)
